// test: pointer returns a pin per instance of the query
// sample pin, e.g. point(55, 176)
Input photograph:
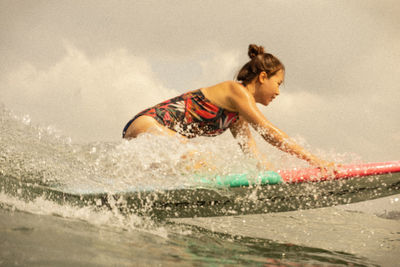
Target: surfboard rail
point(343, 172)
point(300, 175)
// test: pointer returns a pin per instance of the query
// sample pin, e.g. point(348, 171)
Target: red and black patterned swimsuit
point(191, 115)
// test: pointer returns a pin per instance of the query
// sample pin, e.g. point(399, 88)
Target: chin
point(267, 102)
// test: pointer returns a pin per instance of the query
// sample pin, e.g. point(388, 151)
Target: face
point(268, 88)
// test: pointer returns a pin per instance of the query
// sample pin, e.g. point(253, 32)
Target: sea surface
point(41, 232)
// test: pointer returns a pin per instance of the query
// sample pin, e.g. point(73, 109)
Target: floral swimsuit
point(190, 115)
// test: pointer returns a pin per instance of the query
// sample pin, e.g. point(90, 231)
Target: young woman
point(210, 111)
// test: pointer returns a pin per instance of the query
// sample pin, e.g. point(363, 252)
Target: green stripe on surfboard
point(242, 179)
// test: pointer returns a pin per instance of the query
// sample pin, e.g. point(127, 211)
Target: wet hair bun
point(259, 62)
point(255, 50)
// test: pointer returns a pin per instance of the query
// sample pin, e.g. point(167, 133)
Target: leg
point(147, 124)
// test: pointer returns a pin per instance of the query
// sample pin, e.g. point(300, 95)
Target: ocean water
point(41, 232)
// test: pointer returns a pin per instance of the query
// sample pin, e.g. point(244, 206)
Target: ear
point(262, 77)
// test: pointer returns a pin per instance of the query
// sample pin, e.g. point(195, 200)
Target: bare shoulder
point(232, 89)
point(236, 91)
point(225, 84)
point(232, 85)
point(226, 88)
point(225, 94)
point(240, 99)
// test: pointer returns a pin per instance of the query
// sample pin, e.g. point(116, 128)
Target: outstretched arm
point(244, 102)
point(240, 130)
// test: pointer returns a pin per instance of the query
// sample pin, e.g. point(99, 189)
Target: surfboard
point(302, 175)
point(218, 195)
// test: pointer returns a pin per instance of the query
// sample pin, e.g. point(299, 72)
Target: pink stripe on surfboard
point(344, 172)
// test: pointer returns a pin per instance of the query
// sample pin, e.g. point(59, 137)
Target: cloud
point(218, 67)
point(88, 99)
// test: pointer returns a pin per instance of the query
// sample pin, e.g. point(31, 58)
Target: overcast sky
point(87, 67)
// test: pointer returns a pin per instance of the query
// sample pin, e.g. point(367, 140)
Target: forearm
point(293, 148)
point(283, 142)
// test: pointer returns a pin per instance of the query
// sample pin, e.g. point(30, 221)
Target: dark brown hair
point(259, 61)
